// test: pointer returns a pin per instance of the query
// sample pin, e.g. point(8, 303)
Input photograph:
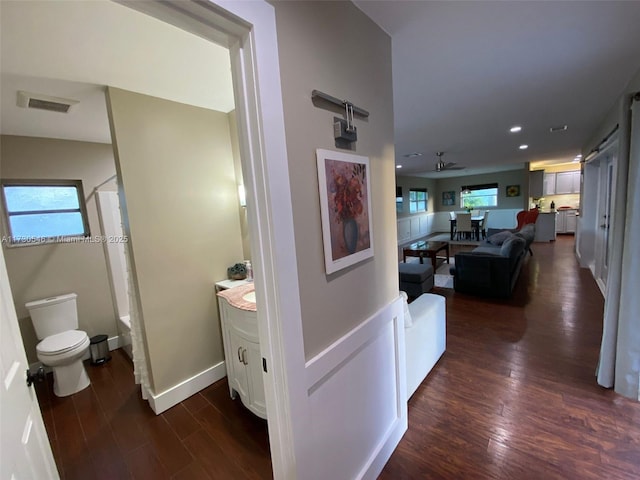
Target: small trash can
point(99, 349)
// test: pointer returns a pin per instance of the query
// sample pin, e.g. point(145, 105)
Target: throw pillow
point(408, 321)
point(499, 238)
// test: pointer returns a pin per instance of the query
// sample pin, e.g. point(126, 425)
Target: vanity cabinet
point(242, 356)
point(566, 221)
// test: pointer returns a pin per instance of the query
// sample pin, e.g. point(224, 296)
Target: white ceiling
point(72, 49)
point(463, 72)
point(466, 71)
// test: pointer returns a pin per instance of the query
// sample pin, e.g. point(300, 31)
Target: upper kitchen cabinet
point(549, 184)
point(567, 182)
point(536, 183)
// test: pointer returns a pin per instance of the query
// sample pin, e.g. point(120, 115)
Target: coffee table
point(425, 249)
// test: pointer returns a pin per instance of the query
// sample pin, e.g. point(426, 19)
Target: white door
point(606, 192)
point(25, 451)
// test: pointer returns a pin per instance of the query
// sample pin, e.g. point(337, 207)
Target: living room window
point(44, 211)
point(399, 200)
point(418, 200)
point(475, 196)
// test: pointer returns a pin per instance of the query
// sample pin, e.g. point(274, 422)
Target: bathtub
point(124, 329)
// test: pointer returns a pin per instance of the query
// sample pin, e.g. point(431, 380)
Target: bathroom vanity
point(241, 346)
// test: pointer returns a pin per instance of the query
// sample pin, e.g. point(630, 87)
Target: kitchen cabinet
point(536, 183)
point(567, 182)
point(566, 221)
point(545, 227)
point(549, 184)
point(242, 351)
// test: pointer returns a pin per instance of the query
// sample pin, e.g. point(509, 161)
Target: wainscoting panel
point(358, 386)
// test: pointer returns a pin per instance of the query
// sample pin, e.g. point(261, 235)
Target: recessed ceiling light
point(398, 166)
point(579, 155)
point(515, 129)
point(523, 147)
point(560, 128)
point(414, 154)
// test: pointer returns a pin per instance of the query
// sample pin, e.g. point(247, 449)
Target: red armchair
point(524, 217)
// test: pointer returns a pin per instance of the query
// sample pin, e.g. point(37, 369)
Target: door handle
point(35, 377)
point(240, 355)
point(244, 355)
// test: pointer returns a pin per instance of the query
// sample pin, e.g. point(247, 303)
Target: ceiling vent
point(45, 102)
point(559, 128)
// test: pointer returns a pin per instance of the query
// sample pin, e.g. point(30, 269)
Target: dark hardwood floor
point(108, 432)
point(513, 397)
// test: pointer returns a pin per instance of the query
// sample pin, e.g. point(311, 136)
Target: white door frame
point(248, 29)
point(607, 168)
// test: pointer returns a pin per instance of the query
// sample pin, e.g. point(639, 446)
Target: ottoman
point(415, 278)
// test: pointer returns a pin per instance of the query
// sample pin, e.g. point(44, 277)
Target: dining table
point(476, 223)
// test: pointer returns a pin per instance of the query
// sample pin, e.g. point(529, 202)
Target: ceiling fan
point(441, 166)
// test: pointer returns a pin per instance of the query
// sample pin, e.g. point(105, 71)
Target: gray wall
point(181, 214)
point(408, 183)
point(42, 271)
point(335, 48)
point(511, 177)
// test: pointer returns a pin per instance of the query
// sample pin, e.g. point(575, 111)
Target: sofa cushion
point(486, 250)
point(499, 238)
point(527, 233)
point(512, 246)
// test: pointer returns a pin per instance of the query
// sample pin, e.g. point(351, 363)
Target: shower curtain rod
point(106, 181)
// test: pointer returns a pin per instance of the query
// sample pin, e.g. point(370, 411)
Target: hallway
point(515, 394)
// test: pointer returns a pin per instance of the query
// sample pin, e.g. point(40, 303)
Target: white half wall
point(357, 387)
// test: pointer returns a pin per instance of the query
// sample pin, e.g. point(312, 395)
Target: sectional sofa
point(492, 268)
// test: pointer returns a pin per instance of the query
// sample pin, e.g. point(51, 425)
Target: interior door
point(26, 452)
point(606, 192)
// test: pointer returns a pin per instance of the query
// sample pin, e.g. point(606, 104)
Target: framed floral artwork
point(513, 190)
point(345, 208)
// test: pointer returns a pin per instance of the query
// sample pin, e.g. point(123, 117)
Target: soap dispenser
point(247, 264)
point(552, 206)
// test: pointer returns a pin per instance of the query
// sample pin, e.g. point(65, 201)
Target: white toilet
point(61, 346)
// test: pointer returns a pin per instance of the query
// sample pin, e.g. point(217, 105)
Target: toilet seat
point(62, 342)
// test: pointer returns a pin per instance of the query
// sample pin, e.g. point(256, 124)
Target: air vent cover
point(45, 102)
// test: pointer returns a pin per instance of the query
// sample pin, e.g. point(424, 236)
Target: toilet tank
point(53, 315)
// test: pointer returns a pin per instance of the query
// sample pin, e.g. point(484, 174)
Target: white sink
point(250, 297)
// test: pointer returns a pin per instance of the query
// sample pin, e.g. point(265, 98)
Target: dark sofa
point(493, 267)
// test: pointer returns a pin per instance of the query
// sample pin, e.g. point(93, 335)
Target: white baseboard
point(165, 400)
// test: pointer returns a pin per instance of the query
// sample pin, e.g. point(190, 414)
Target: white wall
point(352, 327)
point(41, 271)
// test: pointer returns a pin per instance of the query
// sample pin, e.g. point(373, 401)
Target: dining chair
point(484, 224)
point(463, 224)
point(452, 221)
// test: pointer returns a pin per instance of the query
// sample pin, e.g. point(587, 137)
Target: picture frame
point(344, 186)
point(513, 191)
point(449, 198)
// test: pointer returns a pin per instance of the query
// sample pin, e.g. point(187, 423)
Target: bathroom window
point(44, 211)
